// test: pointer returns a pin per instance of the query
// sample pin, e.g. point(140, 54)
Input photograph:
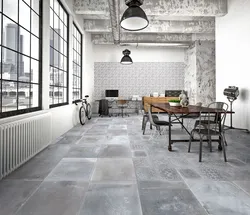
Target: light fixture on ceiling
point(134, 18)
point(126, 59)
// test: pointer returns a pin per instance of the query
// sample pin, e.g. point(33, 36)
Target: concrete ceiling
point(170, 21)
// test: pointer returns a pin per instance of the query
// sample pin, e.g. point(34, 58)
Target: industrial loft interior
point(124, 107)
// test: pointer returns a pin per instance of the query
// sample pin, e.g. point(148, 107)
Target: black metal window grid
point(77, 63)
point(59, 19)
point(20, 56)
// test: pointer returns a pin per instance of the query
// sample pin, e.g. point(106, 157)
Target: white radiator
point(22, 139)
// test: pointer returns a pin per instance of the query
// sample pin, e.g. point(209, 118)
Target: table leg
point(169, 133)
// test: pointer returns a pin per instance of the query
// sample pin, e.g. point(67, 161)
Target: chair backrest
point(150, 117)
point(216, 117)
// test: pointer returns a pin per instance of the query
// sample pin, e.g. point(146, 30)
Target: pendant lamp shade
point(126, 59)
point(134, 18)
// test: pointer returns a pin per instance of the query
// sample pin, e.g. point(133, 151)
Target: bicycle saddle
point(86, 96)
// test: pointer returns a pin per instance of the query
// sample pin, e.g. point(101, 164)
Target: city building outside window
point(58, 92)
point(77, 63)
point(20, 56)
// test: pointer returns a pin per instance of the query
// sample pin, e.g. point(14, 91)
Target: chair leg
point(210, 143)
point(223, 148)
point(223, 133)
point(190, 141)
point(200, 154)
point(143, 122)
point(144, 126)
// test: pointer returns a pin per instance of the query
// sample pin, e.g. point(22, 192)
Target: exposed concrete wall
point(232, 58)
point(200, 72)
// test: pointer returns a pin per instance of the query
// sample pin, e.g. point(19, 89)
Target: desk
point(175, 111)
point(132, 104)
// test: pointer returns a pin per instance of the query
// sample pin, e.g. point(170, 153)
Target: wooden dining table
point(175, 114)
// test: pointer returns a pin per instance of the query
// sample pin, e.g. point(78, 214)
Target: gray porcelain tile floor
point(107, 167)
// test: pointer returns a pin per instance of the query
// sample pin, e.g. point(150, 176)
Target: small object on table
point(183, 99)
point(174, 102)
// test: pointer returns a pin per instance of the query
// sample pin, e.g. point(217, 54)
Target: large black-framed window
point(59, 19)
point(77, 63)
point(20, 56)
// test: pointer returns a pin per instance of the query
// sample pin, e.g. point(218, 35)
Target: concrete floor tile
point(57, 198)
point(112, 199)
point(112, 151)
point(14, 193)
point(73, 169)
point(169, 201)
point(114, 169)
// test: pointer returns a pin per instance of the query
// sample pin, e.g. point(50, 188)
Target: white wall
point(113, 53)
point(64, 117)
point(232, 58)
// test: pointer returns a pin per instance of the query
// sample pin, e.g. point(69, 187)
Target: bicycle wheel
point(82, 115)
point(89, 111)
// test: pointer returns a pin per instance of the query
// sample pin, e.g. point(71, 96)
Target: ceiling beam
point(95, 26)
point(145, 38)
point(107, 38)
point(157, 7)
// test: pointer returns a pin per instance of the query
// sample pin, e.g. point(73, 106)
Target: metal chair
point(156, 122)
point(122, 104)
point(217, 106)
point(211, 124)
point(145, 120)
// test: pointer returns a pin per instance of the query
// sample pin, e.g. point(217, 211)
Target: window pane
point(64, 94)
point(51, 75)
point(24, 68)
point(23, 96)
point(51, 18)
point(11, 34)
point(61, 77)
point(51, 92)
point(36, 5)
point(24, 15)
point(61, 26)
point(24, 42)
point(65, 33)
point(56, 77)
point(0, 5)
point(56, 22)
point(65, 19)
point(34, 71)
point(10, 9)
point(61, 46)
point(61, 63)
point(9, 96)
point(35, 24)
point(65, 48)
point(56, 7)
point(34, 95)
point(56, 40)
point(52, 4)
point(61, 14)
point(9, 64)
point(35, 47)
point(58, 55)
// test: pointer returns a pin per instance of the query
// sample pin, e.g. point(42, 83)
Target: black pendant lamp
point(126, 59)
point(134, 18)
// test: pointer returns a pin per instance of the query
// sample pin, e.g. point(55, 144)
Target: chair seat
point(207, 131)
point(160, 122)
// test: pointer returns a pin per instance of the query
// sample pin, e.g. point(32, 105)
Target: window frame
point(81, 62)
point(67, 57)
point(18, 52)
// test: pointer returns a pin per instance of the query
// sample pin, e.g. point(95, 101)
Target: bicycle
point(85, 110)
